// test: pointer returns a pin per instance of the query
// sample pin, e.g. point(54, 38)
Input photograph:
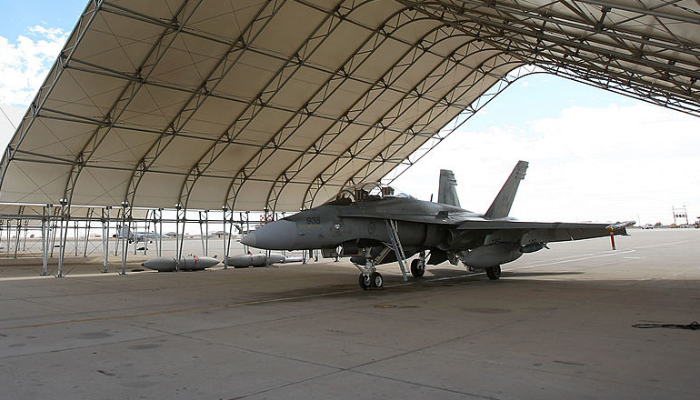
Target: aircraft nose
point(249, 239)
point(278, 235)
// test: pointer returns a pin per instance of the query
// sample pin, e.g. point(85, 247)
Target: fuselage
point(420, 224)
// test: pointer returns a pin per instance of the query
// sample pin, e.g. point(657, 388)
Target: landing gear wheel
point(494, 272)
point(377, 280)
point(365, 282)
point(417, 268)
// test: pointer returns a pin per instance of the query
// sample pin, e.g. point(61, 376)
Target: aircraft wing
point(549, 231)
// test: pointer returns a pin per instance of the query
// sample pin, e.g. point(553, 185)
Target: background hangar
point(277, 104)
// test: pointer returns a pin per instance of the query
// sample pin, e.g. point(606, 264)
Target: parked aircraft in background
point(377, 225)
point(123, 233)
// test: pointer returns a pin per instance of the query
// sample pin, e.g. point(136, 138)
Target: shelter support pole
point(224, 209)
point(247, 230)
point(147, 236)
point(7, 246)
point(45, 239)
point(134, 238)
point(206, 233)
point(53, 231)
point(26, 232)
point(125, 242)
point(201, 234)
point(179, 240)
point(65, 219)
point(105, 237)
point(160, 233)
point(77, 237)
point(90, 215)
point(228, 235)
point(18, 227)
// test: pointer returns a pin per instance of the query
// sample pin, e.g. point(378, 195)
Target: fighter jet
point(374, 224)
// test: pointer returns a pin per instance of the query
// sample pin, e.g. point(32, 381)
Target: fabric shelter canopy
point(253, 105)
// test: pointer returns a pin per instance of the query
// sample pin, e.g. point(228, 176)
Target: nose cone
point(278, 235)
point(250, 240)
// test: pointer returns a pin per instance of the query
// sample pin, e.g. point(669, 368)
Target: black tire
point(377, 280)
point(494, 272)
point(365, 282)
point(417, 270)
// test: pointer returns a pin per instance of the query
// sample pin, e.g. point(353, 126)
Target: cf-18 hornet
point(374, 224)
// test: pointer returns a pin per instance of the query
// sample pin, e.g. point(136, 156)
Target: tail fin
point(447, 192)
point(500, 208)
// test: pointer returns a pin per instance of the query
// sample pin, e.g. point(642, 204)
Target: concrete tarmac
point(558, 324)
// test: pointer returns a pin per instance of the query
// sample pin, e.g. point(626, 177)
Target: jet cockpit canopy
point(371, 191)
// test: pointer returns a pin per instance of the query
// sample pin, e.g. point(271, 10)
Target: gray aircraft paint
point(481, 241)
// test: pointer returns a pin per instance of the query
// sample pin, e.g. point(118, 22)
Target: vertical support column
point(90, 214)
point(53, 231)
point(125, 220)
point(206, 233)
point(45, 229)
point(224, 209)
point(77, 237)
point(201, 234)
point(247, 230)
point(178, 243)
point(135, 241)
point(120, 236)
point(18, 227)
point(228, 233)
point(26, 232)
point(160, 233)
point(105, 237)
point(65, 219)
point(7, 246)
point(134, 238)
point(147, 235)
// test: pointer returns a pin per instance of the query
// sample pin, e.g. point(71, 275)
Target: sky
point(594, 155)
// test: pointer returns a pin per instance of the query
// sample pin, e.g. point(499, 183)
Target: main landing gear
point(418, 266)
point(494, 272)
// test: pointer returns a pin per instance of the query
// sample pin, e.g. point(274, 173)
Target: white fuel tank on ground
point(260, 260)
point(168, 264)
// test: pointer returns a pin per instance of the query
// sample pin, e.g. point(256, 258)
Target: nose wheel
point(373, 280)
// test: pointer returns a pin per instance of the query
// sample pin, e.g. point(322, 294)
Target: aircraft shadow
point(449, 273)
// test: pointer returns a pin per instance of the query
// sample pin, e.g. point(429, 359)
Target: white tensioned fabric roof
point(252, 104)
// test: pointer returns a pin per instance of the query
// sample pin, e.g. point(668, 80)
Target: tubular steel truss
point(277, 104)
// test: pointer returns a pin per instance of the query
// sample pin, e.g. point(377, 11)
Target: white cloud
point(26, 61)
point(606, 164)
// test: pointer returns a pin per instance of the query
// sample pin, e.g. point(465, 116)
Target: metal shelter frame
point(277, 104)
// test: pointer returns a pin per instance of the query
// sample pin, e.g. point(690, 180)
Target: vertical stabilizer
point(500, 208)
point(447, 191)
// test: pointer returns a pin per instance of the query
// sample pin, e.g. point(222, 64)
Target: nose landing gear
point(373, 280)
